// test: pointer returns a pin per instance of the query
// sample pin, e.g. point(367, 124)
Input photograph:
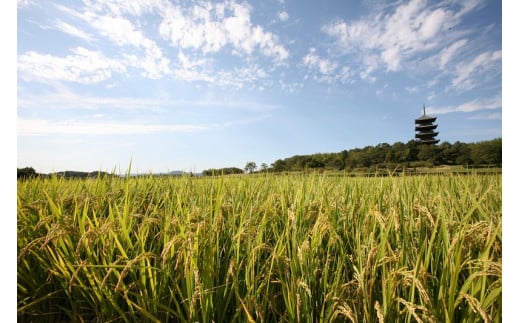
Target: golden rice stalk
point(475, 306)
point(129, 265)
point(380, 316)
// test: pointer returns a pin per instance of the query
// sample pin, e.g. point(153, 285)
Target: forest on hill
point(393, 157)
point(410, 154)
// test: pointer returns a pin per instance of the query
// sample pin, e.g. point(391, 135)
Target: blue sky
point(192, 85)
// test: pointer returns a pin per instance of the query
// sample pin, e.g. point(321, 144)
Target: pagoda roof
point(426, 134)
point(428, 141)
point(426, 118)
point(423, 127)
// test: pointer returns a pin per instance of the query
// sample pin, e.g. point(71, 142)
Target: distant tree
point(335, 162)
point(487, 152)
point(411, 150)
point(250, 167)
point(463, 153)
point(429, 154)
point(26, 172)
point(222, 171)
point(264, 167)
point(279, 165)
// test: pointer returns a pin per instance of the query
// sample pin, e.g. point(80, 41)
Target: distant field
point(261, 248)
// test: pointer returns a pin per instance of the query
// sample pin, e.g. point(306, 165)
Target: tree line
point(398, 155)
point(382, 156)
point(30, 172)
point(222, 171)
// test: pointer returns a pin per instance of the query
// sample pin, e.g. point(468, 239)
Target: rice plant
point(267, 248)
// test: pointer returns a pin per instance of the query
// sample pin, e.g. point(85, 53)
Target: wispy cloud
point(193, 69)
point(118, 7)
point(412, 89)
point(413, 27)
point(195, 30)
point(24, 3)
point(95, 127)
point(489, 116)
point(283, 15)
point(39, 127)
point(325, 69)
point(74, 31)
point(406, 32)
point(469, 74)
point(449, 52)
point(471, 106)
point(82, 66)
point(123, 32)
point(241, 122)
point(65, 99)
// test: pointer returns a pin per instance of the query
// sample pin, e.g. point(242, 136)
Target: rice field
point(267, 248)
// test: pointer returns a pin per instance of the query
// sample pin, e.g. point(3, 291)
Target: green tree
point(411, 151)
point(487, 152)
point(429, 154)
point(279, 165)
point(222, 171)
point(26, 172)
point(250, 167)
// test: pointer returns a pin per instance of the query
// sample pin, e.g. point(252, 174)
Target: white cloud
point(392, 38)
point(118, 29)
point(193, 68)
point(469, 74)
point(24, 3)
point(283, 15)
point(325, 70)
point(65, 99)
point(237, 78)
point(471, 106)
point(83, 66)
point(490, 116)
point(250, 74)
point(369, 66)
point(196, 30)
point(123, 32)
point(38, 127)
point(447, 53)
point(416, 34)
point(412, 89)
point(323, 65)
point(120, 7)
point(192, 75)
point(189, 63)
point(74, 31)
point(468, 5)
point(210, 27)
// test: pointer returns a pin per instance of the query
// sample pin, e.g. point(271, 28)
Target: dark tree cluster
point(410, 154)
point(29, 172)
point(26, 172)
point(222, 171)
point(76, 174)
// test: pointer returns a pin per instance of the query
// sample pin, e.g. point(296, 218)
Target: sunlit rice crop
point(268, 248)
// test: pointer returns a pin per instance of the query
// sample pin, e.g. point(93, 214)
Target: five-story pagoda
point(425, 129)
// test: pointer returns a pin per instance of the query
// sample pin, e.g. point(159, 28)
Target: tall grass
point(290, 248)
